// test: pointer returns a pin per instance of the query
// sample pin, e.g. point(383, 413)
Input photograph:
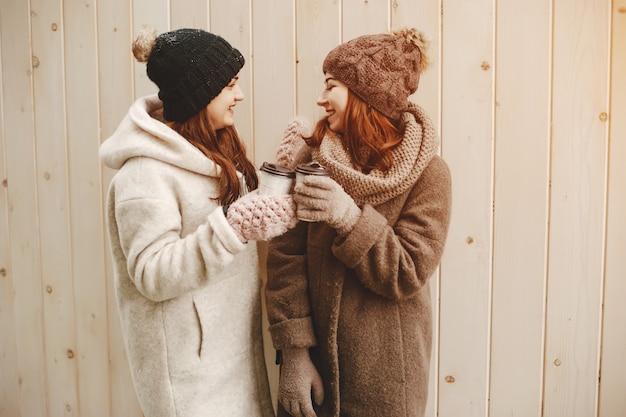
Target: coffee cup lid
point(276, 169)
point(312, 168)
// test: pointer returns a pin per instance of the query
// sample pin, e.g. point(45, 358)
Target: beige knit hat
point(383, 70)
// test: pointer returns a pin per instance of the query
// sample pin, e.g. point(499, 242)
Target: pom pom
point(420, 40)
point(143, 44)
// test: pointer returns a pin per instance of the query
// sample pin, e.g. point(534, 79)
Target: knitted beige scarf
point(409, 160)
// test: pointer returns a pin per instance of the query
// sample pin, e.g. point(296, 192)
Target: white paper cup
point(275, 179)
point(311, 168)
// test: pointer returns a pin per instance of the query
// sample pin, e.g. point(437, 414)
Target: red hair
point(369, 136)
point(225, 148)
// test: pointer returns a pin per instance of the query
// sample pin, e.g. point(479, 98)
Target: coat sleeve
point(286, 291)
point(396, 260)
point(144, 215)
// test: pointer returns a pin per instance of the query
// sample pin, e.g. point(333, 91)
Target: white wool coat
point(187, 289)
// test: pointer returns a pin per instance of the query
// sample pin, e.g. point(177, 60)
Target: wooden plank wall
point(530, 102)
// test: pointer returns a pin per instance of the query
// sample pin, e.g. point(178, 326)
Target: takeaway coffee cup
point(310, 168)
point(275, 179)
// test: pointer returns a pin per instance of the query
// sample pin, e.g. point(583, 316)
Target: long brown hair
point(369, 136)
point(225, 148)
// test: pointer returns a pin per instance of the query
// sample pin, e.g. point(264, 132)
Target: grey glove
point(293, 149)
point(300, 383)
point(321, 199)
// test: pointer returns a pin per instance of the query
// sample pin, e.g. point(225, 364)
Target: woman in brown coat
point(347, 294)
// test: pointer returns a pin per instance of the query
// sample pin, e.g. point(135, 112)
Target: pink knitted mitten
point(293, 149)
point(262, 217)
point(299, 380)
point(321, 199)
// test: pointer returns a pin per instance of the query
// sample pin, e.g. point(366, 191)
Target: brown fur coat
point(362, 303)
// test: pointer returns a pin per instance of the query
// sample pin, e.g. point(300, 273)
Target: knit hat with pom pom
point(383, 70)
point(190, 67)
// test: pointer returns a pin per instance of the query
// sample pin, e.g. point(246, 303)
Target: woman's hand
point(321, 199)
point(293, 149)
point(261, 217)
point(300, 383)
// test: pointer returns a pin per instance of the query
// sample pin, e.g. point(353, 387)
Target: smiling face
point(220, 109)
point(334, 99)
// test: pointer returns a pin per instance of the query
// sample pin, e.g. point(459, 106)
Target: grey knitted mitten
point(321, 199)
point(293, 149)
point(299, 381)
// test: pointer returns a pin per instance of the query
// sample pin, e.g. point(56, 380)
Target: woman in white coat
point(182, 221)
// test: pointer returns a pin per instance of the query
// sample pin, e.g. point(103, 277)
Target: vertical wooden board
point(231, 20)
point(153, 13)
point(115, 63)
point(189, 14)
point(115, 76)
point(364, 17)
point(612, 398)
point(52, 200)
point(522, 85)
point(87, 263)
point(9, 383)
point(466, 125)
point(274, 75)
point(22, 207)
point(577, 208)
point(318, 30)
point(425, 16)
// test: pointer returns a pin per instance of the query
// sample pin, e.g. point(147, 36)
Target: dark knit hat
point(191, 67)
point(383, 70)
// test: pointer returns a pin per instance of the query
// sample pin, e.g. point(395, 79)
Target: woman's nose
point(239, 93)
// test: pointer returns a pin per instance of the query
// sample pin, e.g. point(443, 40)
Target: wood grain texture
point(528, 99)
point(522, 172)
point(9, 383)
point(24, 258)
point(577, 208)
point(466, 277)
point(115, 95)
point(612, 401)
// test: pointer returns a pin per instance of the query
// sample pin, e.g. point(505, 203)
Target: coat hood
point(142, 134)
